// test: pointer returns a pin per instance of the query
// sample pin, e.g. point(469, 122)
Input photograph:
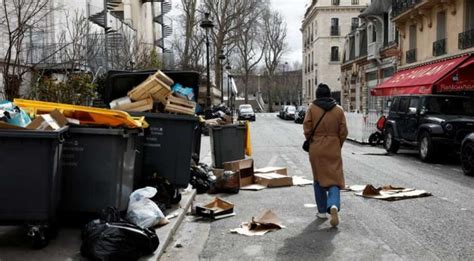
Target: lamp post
point(221, 59)
point(228, 68)
point(207, 25)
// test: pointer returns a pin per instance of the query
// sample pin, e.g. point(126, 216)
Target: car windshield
point(246, 109)
point(291, 109)
point(449, 105)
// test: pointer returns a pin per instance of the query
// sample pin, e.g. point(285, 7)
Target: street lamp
point(221, 59)
point(228, 68)
point(207, 25)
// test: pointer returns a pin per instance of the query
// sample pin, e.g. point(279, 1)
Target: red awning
point(461, 79)
point(419, 80)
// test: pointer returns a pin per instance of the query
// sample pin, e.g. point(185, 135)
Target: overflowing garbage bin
point(30, 180)
point(227, 143)
point(167, 146)
point(98, 166)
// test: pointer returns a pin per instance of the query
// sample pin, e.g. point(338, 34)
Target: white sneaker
point(334, 216)
point(321, 215)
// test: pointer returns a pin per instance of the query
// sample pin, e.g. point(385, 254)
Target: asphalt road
point(440, 227)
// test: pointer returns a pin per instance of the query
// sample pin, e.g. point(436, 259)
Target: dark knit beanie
point(323, 90)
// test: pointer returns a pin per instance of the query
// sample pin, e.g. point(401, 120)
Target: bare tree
point(228, 17)
point(250, 42)
point(189, 44)
point(275, 34)
point(20, 19)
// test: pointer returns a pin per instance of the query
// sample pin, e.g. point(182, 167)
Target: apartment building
point(437, 44)
point(371, 56)
point(325, 25)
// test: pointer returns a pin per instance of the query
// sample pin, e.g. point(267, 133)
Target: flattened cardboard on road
point(266, 222)
point(391, 193)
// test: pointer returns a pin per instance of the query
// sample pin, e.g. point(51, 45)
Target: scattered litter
point(172, 215)
point(178, 246)
point(226, 182)
point(463, 209)
point(112, 238)
point(142, 211)
point(278, 170)
point(355, 188)
point(272, 180)
point(310, 205)
point(217, 207)
point(391, 193)
point(301, 181)
point(267, 221)
point(253, 187)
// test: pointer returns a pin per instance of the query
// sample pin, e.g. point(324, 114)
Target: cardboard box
point(278, 170)
point(55, 120)
point(216, 207)
point(272, 180)
point(138, 106)
point(245, 169)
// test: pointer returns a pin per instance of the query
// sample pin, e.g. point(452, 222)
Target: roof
point(378, 7)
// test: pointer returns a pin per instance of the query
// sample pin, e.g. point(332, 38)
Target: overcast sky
point(293, 12)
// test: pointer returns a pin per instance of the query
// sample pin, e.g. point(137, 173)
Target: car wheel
point(390, 144)
point(426, 148)
point(374, 139)
point(467, 158)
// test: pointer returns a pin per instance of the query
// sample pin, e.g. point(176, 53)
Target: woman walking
point(325, 151)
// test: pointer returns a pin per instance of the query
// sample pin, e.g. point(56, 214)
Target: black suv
point(428, 122)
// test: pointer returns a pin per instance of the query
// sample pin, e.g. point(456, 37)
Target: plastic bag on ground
point(142, 211)
point(112, 238)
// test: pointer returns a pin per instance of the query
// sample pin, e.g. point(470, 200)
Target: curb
point(166, 233)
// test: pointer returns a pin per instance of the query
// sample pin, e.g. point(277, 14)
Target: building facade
point(325, 24)
point(371, 55)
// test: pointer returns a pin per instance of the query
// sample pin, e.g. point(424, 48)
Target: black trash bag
point(168, 194)
point(202, 178)
point(103, 240)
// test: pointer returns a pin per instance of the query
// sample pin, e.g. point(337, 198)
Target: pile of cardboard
point(55, 120)
point(155, 89)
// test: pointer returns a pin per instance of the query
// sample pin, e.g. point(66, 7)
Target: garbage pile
point(158, 93)
point(218, 115)
point(113, 238)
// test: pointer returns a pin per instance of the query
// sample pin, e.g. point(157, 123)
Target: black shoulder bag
point(308, 141)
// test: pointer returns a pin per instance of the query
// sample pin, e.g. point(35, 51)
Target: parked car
point(467, 155)
point(428, 122)
point(246, 112)
point(281, 113)
point(289, 112)
point(300, 114)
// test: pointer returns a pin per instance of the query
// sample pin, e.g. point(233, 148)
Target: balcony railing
point(466, 39)
point(439, 47)
point(400, 6)
point(335, 31)
point(411, 56)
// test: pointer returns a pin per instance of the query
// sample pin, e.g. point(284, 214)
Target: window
point(413, 108)
point(412, 40)
point(335, 2)
point(354, 23)
point(469, 16)
point(334, 54)
point(355, 2)
point(404, 103)
point(394, 106)
point(312, 61)
point(334, 26)
point(441, 26)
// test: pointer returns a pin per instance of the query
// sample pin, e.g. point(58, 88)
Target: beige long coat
point(325, 150)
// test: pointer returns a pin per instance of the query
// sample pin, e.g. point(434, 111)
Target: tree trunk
point(12, 87)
